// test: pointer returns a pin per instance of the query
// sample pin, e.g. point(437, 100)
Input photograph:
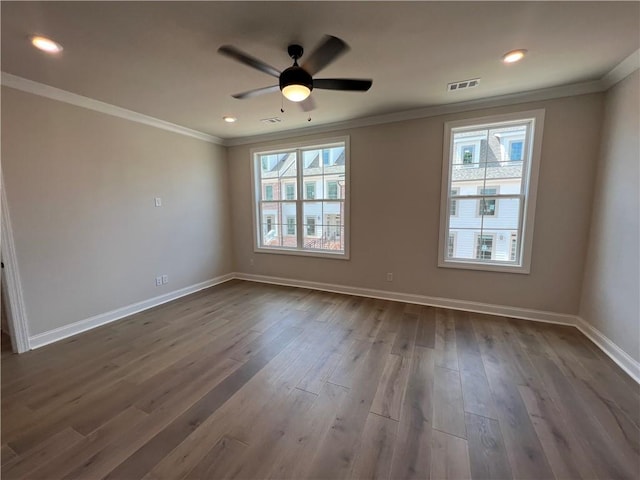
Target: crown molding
point(36, 88)
point(434, 111)
point(622, 70)
point(616, 74)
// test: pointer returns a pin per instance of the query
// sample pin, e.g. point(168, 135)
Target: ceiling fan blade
point(257, 91)
point(329, 49)
point(307, 104)
point(351, 84)
point(240, 56)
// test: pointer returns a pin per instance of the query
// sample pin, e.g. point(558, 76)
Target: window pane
point(312, 162)
point(276, 171)
point(323, 225)
point(507, 216)
point(270, 220)
point(467, 217)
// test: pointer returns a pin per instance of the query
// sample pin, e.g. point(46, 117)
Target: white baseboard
point(619, 356)
point(57, 334)
point(491, 309)
point(613, 351)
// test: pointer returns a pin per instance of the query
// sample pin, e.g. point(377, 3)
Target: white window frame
point(529, 190)
point(299, 201)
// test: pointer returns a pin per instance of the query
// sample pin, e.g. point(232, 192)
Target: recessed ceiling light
point(514, 56)
point(45, 44)
point(229, 119)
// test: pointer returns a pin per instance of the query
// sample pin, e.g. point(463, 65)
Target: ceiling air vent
point(464, 84)
point(271, 120)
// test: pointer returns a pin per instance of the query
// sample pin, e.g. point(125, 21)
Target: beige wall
point(611, 286)
point(81, 188)
point(395, 208)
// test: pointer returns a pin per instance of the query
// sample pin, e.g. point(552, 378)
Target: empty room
point(328, 240)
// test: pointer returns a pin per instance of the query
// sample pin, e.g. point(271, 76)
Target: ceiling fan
point(297, 82)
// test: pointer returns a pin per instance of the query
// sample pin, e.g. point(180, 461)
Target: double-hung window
point(314, 179)
point(489, 209)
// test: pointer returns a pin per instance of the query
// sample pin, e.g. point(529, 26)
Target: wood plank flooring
point(247, 381)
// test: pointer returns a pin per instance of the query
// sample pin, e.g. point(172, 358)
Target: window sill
point(486, 267)
point(304, 253)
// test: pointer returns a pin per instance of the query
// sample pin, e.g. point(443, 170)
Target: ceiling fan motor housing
point(295, 75)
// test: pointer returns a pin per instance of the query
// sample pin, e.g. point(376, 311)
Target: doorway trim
point(12, 286)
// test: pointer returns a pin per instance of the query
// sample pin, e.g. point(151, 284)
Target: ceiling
point(159, 58)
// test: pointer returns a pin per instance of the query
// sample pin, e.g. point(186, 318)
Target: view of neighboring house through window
point(488, 210)
point(310, 190)
point(487, 205)
point(513, 253)
point(290, 191)
point(453, 205)
point(468, 154)
point(304, 185)
point(268, 192)
point(311, 226)
point(291, 225)
point(332, 190)
point(484, 247)
point(515, 151)
point(326, 156)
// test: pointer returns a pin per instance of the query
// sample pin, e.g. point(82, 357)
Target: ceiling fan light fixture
point(296, 93)
point(295, 83)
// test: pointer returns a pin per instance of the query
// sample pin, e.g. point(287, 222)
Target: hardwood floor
point(256, 381)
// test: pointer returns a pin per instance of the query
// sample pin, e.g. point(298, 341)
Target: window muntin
point(317, 177)
point(494, 201)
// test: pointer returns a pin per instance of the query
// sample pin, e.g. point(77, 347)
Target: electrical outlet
point(158, 281)
point(389, 277)
point(165, 279)
point(251, 262)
